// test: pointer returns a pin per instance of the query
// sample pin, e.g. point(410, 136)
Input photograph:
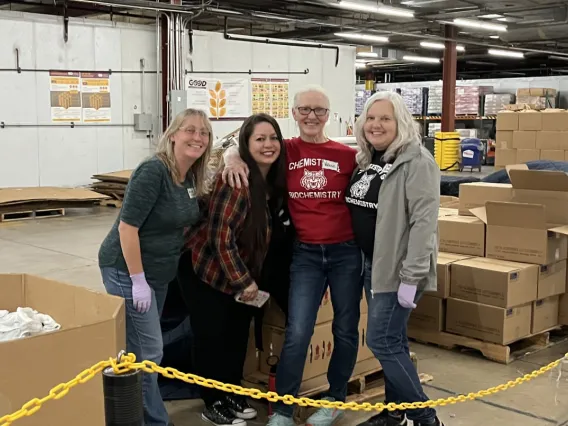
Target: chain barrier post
point(123, 397)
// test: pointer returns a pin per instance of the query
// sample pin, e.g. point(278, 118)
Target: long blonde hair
point(165, 150)
point(407, 134)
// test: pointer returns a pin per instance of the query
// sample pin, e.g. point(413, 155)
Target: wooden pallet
point(31, 214)
point(503, 354)
point(112, 203)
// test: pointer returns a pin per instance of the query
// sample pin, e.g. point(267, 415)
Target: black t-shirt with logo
point(362, 197)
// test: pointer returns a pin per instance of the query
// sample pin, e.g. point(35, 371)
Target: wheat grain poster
point(65, 96)
point(95, 96)
point(222, 99)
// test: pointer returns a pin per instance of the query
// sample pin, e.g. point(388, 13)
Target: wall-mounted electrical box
point(143, 122)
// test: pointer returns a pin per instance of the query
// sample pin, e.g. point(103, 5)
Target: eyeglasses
point(190, 131)
point(320, 112)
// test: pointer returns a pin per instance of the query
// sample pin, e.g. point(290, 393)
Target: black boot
point(387, 418)
point(219, 414)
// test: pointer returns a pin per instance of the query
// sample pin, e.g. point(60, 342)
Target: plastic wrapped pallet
point(435, 100)
point(467, 100)
point(361, 96)
point(496, 102)
point(413, 98)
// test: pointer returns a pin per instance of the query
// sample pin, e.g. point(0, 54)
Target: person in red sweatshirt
point(325, 253)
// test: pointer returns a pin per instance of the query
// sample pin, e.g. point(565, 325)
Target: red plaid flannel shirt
point(216, 257)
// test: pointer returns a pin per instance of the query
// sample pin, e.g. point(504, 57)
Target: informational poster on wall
point(222, 99)
point(270, 96)
point(65, 96)
point(95, 96)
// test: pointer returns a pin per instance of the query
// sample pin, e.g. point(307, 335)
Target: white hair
point(310, 89)
point(407, 133)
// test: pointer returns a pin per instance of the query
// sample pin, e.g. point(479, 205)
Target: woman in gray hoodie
point(394, 197)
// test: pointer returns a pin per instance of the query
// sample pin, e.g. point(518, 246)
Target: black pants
point(221, 330)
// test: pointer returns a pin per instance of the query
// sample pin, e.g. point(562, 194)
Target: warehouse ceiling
point(538, 28)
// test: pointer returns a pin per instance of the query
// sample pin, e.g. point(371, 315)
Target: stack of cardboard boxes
point(502, 261)
point(531, 135)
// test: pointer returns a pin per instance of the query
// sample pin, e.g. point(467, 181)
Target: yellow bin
point(447, 150)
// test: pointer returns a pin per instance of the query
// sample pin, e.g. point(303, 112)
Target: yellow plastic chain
point(128, 363)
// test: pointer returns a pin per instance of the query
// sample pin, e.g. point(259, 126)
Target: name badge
point(191, 192)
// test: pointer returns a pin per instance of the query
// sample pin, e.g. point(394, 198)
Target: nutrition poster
point(270, 96)
point(95, 95)
point(65, 96)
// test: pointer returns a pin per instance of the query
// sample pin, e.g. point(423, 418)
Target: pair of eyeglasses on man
point(191, 131)
point(320, 112)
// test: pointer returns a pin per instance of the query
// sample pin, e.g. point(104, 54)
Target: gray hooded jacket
point(406, 236)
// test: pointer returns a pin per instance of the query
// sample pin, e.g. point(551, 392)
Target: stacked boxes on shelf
point(414, 99)
point(531, 135)
point(497, 102)
point(434, 100)
point(466, 101)
point(537, 98)
point(502, 266)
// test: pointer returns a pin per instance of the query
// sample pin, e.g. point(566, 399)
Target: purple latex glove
point(141, 293)
point(406, 295)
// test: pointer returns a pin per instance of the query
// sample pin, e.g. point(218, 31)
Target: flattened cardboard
point(122, 176)
point(519, 232)
point(488, 323)
point(443, 272)
point(494, 282)
point(11, 196)
point(92, 328)
point(545, 314)
point(461, 235)
point(552, 280)
point(429, 314)
point(476, 194)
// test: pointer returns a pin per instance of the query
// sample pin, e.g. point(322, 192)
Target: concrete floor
point(66, 249)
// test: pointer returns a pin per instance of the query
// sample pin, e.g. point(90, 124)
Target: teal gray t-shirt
point(161, 210)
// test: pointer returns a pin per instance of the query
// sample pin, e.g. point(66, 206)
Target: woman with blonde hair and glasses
point(394, 197)
point(140, 255)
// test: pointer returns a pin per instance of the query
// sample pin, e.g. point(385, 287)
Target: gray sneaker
point(325, 416)
point(280, 420)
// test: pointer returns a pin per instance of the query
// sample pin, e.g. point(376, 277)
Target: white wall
point(61, 156)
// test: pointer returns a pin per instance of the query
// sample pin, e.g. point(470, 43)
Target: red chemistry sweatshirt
point(318, 175)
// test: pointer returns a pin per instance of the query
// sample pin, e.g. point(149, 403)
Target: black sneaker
point(220, 415)
point(240, 408)
point(438, 422)
point(387, 418)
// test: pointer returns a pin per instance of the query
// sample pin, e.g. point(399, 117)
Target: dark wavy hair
point(254, 235)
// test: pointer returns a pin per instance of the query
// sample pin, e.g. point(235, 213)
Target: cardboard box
point(447, 201)
point(566, 156)
point(545, 314)
point(549, 188)
point(541, 91)
point(461, 235)
point(530, 120)
point(364, 351)
point(504, 139)
point(563, 310)
point(443, 272)
point(443, 212)
point(473, 195)
point(519, 232)
point(552, 154)
point(494, 282)
point(92, 330)
point(488, 323)
point(552, 140)
point(505, 156)
point(274, 317)
point(524, 139)
point(552, 280)
point(508, 120)
point(319, 351)
point(429, 314)
point(526, 155)
point(555, 120)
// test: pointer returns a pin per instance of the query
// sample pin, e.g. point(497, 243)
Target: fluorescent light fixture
point(361, 61)
point(271, 16)
point(360, 65)
point(495, 37)
point(365, 37)
point(503, 19)
point(376, 8)
point(480, 25)
point(412, 58)
point(506, 53)
point(368, 54)
point(491, 16)
point(439, 46)
point(225, 11)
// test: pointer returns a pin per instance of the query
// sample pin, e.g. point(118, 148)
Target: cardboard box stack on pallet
point(530, 135)
point(502, 261)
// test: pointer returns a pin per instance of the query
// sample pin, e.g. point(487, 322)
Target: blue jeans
point(387, 339)
point(143, 339)
point(313, 268)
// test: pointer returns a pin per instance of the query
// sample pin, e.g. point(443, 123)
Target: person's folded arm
point(227, 212)
point(423, 197)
